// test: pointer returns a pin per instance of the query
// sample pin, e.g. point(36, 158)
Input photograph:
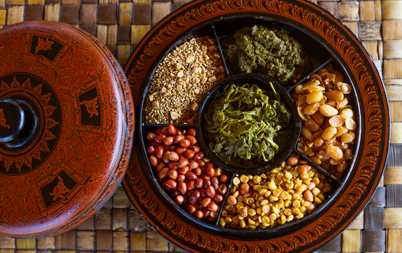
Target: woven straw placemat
point(120, 24)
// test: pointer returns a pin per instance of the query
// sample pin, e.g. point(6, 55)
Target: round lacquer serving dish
point(330, 159)
point(66, 126)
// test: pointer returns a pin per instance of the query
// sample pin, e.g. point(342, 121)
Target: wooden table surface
point(120, 24)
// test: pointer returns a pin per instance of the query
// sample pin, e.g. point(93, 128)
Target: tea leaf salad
point(245, 125)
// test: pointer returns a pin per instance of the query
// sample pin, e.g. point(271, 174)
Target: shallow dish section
point(250, 126)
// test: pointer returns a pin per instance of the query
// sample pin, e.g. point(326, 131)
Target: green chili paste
point(271, 52)
point(243, 122)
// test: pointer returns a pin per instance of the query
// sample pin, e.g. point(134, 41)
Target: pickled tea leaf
point(267, 51)
point(245, 123)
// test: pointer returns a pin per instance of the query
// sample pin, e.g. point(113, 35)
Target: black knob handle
point(11, 119)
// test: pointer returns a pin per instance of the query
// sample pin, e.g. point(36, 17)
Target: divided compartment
point(263, 82)
point(319, 55)
point(317, 52)
point(167, 196)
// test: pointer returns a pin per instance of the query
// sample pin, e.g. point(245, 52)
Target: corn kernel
point(249, 201)
point(272, 217)
point(273, 198)
point(266, 208)
point(304, 176)
point(236, 194)
point(257, 179)
point(315, 191)
point(250, 221)
point(272, 185)
point(283, 219)
point(295, 210)
point(242, 224)
point(228, 219)
point(244, 178)
point(276, 192)
point(289, 185)
point(262, 192)
point(239, 205)
point(235, 220)
point(214, 214)
point(284, 195)
point(317, 200)
point(290, 218)
point(321, 196)
point(236, 181)
point(222, 222)
point(287, 212)
point(303, 209)
point(301, 188)
point(299, 216)
point(296, 203)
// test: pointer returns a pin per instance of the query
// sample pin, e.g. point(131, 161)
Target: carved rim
point(356, 190)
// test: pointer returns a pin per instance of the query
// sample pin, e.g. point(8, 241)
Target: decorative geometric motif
point(58, 187)
point(26, 87)
point(46, 47)
point(90, 111)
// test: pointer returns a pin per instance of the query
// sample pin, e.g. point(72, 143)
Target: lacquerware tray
point(326, 40)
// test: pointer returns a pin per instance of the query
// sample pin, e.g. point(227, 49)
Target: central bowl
point(263, 82)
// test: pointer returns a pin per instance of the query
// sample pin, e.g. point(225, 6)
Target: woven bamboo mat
point(120, 24)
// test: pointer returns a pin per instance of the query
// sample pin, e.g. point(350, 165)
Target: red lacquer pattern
point(374, 121)
point(86, 120)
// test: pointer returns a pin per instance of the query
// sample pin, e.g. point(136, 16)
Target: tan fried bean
point(314, 97)
point(334, 95)
point(329, 132)
point(328, 111)
point(337, 120)
point(350, 124)
point(311, 109)
point(348, 137)
point(334, 152)
point(311, 125)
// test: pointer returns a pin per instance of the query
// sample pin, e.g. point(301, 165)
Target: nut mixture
point(278, 196)
point(181, 80)
point(328, 120)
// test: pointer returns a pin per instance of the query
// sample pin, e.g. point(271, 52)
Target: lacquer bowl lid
point(66, 125)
